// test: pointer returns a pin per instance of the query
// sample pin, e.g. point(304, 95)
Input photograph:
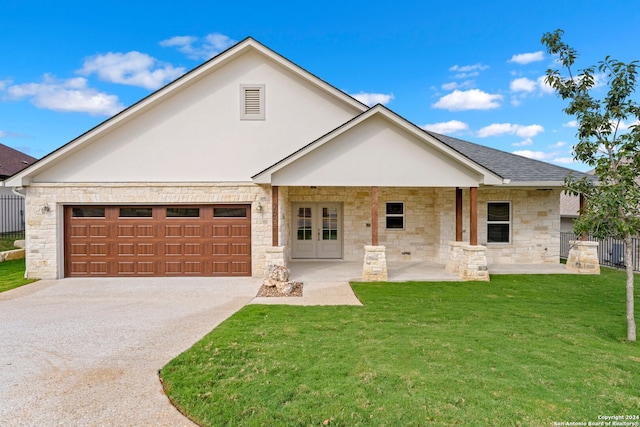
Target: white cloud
point(371, 99)
point(510, 129)
point(178, 41)
point(544, 86)
point(447, 128)
point(472, 99)
point(558, 144)
point(537, 155)
point(469, 68)
point(523, 84)
point(528, 131)
point(523, 143)
point(626, 126)
point(564, 160)
point(131, 68)
point(466, 71)
point(71, 95)
point(4, 84)
point(4, 134)
point(195, 48)
point(571, 124)
point(526, 58)
point(456, 85)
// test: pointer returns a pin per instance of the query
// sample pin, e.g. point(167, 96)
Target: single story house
point(250, 160)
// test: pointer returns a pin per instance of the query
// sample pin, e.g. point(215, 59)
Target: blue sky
point(467, 69)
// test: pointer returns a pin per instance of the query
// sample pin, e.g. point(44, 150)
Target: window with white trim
point(499, 222)
point(252, 102)
point(394, 215)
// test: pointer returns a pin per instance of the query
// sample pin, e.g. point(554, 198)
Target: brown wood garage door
point(208, 240)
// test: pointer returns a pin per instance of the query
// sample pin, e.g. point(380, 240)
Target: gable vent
point(252, 102)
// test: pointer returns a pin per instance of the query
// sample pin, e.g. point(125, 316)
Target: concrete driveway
point(86, 352)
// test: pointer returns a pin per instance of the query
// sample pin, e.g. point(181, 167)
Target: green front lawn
point(520, 350)
point(12, 274)
point(6, 244)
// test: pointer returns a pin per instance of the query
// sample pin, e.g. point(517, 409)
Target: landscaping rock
point(277, 277)
point(285, 287)
point(11, 255)
point(276, 274)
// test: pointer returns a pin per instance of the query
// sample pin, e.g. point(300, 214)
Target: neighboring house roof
point(13, 161)
point(569, 206)
point(517, 169)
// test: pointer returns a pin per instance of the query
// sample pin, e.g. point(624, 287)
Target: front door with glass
point(317, 230)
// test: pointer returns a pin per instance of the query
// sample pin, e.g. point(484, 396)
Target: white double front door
point(317, 230)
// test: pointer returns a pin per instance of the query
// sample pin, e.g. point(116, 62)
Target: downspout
point(15, 191)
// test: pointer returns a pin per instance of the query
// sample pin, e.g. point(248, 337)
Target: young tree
point(607, 143)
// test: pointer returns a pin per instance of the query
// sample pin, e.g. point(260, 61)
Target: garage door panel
point(220, 230)
point(220, 249)
point(86, 230)
point(98, 268)
point(193, 249)
point(240, 231)
point(156, 241)
point(135, 249)
point(136, 268)
point(240, 268)
point(221, 268)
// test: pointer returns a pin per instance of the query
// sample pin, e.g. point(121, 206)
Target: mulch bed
point(272, 291)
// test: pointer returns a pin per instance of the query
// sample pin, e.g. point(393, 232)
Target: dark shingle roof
point(507, 165)
point(12, 161)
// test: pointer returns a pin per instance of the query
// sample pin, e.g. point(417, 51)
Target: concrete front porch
point(351, 271)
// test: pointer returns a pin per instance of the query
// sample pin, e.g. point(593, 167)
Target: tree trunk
point(628, 260)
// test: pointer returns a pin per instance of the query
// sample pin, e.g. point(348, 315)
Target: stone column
point(455, 256)
point(583, 257)
point(375, 264)
point(473, 265)
point(274, 256)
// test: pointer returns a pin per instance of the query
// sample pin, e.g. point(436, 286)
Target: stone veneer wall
point(417, 242)
point(430, 222)
point(44, 229)
point(535, 226)
point(429, 218)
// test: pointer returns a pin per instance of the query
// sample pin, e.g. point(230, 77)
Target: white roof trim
point(489, 178)
point(24, 177)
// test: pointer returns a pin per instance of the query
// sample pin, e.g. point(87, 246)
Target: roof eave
point(534, 184)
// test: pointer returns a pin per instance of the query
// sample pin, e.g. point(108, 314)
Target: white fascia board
point(535, 184)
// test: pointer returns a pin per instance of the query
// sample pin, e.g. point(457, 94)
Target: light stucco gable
point(381, 149)
point(192, 130)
